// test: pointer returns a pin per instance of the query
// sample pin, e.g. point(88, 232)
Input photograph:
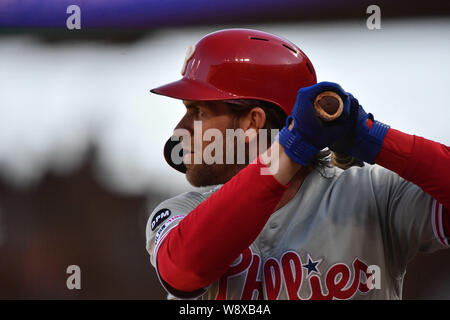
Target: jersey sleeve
point(162, 220)
point(411, 219)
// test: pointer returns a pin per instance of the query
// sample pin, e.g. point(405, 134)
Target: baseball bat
point(329, 107)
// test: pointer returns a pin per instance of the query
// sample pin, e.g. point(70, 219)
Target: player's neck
point(293, 187)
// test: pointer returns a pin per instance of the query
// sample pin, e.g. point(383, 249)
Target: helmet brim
point(191, 90)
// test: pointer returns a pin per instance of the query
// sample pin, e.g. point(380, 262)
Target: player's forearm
point(203, 245)
point(279, 164)
point(421, 161)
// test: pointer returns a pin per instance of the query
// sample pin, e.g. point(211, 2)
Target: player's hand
point(310, 134)
point(361, 142)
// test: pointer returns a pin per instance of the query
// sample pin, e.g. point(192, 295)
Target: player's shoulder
point(185, 199)
point(359, 178)
point(359, 188)
point(176, 208)
point(185, 202)
point(368, 181)
point(368, 171)
point(190, 198)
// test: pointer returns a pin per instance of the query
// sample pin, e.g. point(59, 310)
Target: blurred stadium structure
point(81, 137)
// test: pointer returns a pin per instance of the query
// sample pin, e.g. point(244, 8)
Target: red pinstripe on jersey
point(439, 220)
point(446, 222)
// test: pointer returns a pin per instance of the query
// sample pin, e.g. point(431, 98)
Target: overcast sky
point(54, 98)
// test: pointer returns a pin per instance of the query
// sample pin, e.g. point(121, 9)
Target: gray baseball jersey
point(344, 235)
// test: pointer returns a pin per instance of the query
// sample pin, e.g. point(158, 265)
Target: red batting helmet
point(241, 64)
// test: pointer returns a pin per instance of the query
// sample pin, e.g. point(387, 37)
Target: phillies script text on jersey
point(289, 268)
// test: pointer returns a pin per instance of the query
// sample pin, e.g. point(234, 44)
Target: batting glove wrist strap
point(295, 146)
point(369, 140)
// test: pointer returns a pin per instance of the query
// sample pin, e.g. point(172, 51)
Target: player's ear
point(254, 120)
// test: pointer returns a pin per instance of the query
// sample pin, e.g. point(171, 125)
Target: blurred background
point(81, 137)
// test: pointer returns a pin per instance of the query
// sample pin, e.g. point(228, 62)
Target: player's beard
point(203, 175)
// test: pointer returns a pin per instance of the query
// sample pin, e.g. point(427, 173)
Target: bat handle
point(328, 105)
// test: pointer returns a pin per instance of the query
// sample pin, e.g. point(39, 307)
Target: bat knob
point(328, 105)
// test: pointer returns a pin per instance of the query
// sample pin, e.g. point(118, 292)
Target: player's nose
point(185, 132)
point(186, 123)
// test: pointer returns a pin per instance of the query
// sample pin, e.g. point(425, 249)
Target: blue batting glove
point(361, 142)
point(310, 134)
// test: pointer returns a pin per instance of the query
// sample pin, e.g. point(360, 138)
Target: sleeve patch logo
point(159, 217)
point(164, 229)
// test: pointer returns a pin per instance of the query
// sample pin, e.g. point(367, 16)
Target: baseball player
point(288, 224)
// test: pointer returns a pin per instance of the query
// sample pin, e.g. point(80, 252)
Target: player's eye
point(191, 110)
point(195, 111)
point(200, 112)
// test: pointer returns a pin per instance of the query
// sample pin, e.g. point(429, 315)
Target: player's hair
point(275, 119)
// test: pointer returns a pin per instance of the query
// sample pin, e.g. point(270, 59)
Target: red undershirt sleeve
point(201, 247)
point(421, 161)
